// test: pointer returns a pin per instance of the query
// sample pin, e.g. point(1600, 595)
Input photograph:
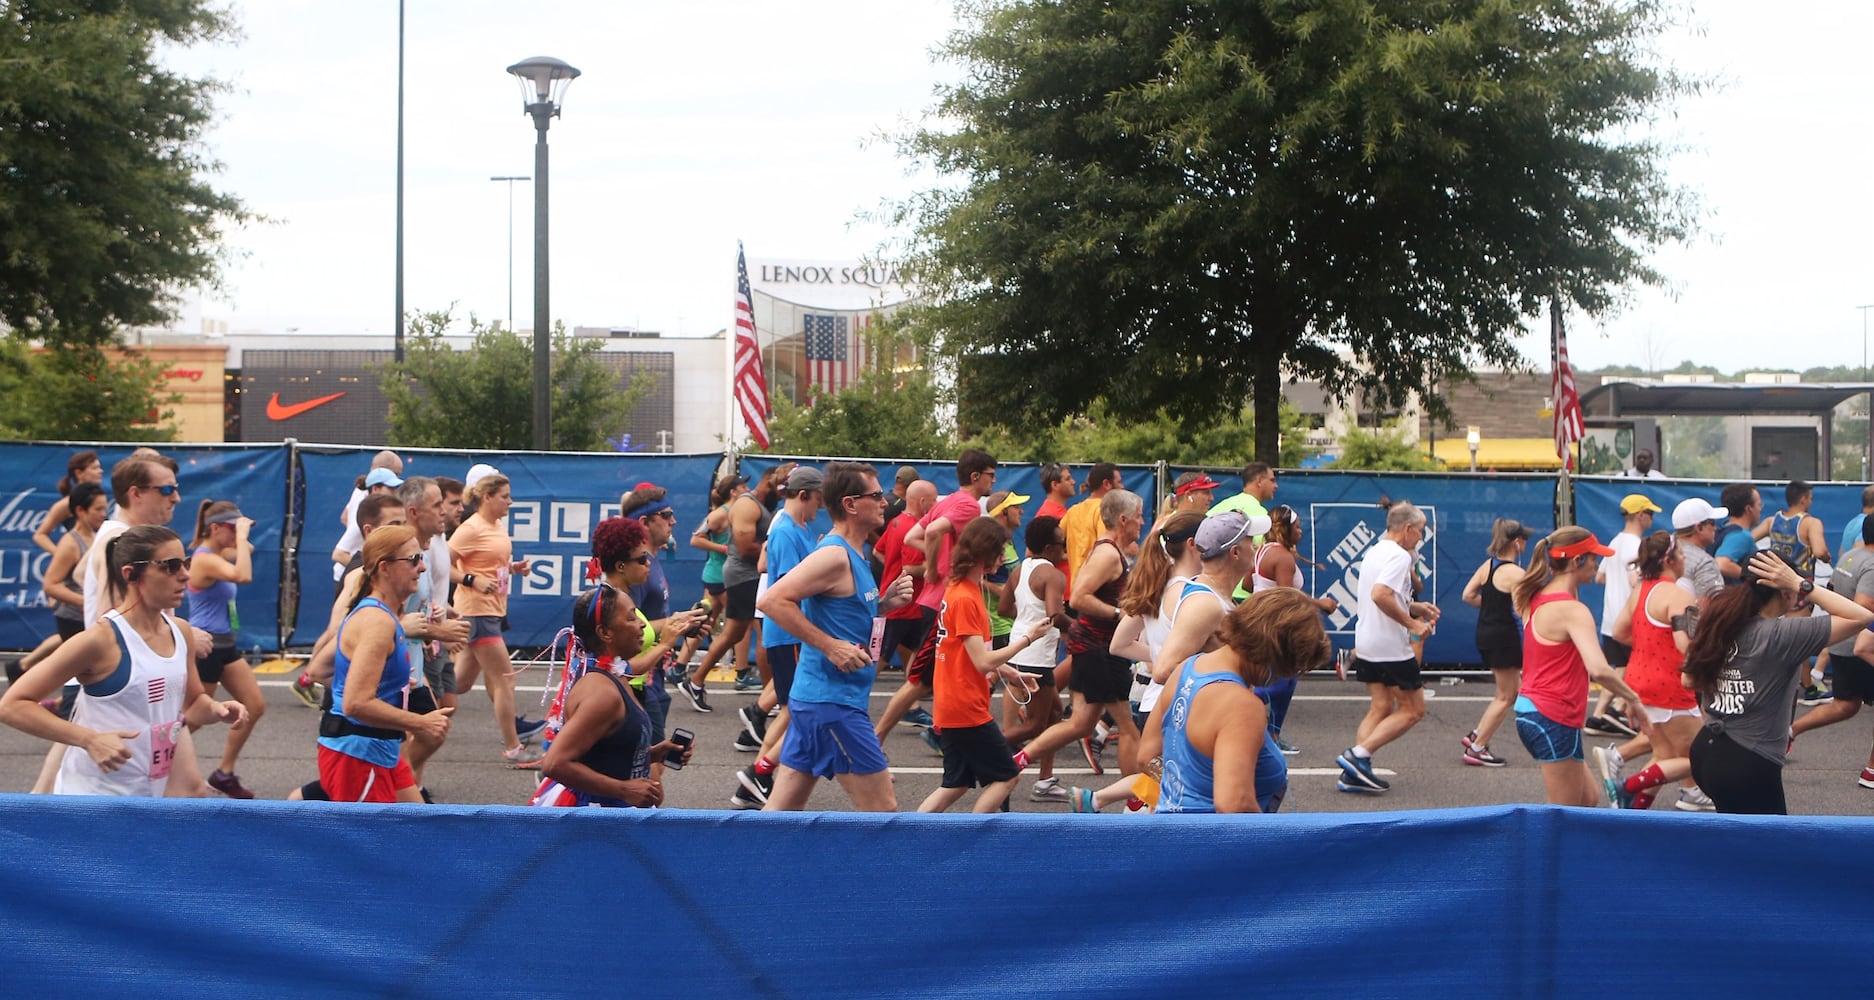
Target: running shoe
point(1620, 721)
point(747, 680)
point(1346, 783)
point(1082, 799)
point(1603, 725)
point(306, 691)
point(522, 758)
point(747, 742)
point(1286, 747)
point(698, 698)
point(428, 799)
point(1608, 760)
point(756, 785)
point(229, 785)
point(1359, 770)
point(1050, 789)
point(1479, 755)
point(754, 722)
point(1815, 694)
point(743, 799)
point(1101, 735)
point(917, 718)
point(1092, 754)
point(529, 731)
point(930, 740)
point(1694, 800)
point(1866, 780)
point(1468, 739)
point(1614, 795)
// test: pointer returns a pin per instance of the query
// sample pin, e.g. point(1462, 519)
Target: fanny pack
point(333, 725)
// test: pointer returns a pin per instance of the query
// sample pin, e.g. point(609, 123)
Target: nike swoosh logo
point(277, 412)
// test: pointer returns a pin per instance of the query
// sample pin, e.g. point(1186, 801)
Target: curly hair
point(1278, 630)
point(614, 538)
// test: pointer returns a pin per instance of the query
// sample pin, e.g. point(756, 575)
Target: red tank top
point(1554, 677)
point(1653, 672)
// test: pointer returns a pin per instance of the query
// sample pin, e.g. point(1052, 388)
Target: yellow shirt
point(1083, 527)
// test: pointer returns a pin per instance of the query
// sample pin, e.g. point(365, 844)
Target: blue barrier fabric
point(558, 500)
point(120, 897)
point(253, 477)
point(1341, 519)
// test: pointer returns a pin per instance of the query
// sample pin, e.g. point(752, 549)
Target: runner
point(1656, 624)
point(713, 537)
point(789, 543)
point(1742, 664)
point(1258, 490)
point(83, 467)
point(1388, 620)
point(749, 517)
point(905, 627)
point(602, 750)
point(64, 576)
point(223, 561)
point(830, 602)
point(385, 475)
point(1218, 756)
point(1561, 654)
point(138, 694)
point(483, 566)
point(360, 752)
point(1616, 575)
point(1278, 564)
point(974, 750)
point(1499, 636)
point(1082, 521)
point(1193, 491)
point(1038, 595)
point(1854, 676)
point(1057, 490)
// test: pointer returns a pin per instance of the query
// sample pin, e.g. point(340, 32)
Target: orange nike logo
point(277, 412)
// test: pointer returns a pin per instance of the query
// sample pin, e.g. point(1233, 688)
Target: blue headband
point(646, 510)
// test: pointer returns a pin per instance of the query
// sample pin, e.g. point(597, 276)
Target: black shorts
point(69, 627)
point(1854, 679)
point(1044, 676)
point(906, 633)
point(1401, 674)
point(210, 668)
point(312, 791)
point(1617, 653)
point(741, 603)
point(781, 663)
point(439, 671)
point(1500, 652)
point(422, 702)
point(976, 755)
point(923, 666)
point(1104, 679)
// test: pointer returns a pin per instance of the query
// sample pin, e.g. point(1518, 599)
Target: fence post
point(288, 615)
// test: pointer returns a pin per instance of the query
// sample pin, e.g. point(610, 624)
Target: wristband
point(468, 579)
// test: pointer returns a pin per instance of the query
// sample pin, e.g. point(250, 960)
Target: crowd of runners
point(1175, 642)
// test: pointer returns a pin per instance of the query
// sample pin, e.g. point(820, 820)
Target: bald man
point(905, 625)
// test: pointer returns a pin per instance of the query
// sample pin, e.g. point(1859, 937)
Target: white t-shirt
point(97, 571)
point(1617, 567)
point(1375, 636)
point(353, 539)
point(436, 560)
point(1650, 474)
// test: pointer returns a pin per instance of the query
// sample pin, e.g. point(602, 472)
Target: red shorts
point(922, 669)
point(347, 779)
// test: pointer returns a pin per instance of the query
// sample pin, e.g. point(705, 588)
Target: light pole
point(397, 336)
point(1473, 438)
point(543, 87)
point(1864, 368)
point(510, 181)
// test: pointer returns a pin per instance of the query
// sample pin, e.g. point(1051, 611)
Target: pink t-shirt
point(960, 508)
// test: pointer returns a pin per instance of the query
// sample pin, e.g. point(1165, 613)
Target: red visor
point(1587, 546)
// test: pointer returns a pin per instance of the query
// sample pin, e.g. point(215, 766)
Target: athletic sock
point(1134, 803)
point(764, 766)
point(1643, 800)
point(1021, 760)
point(1648, 777)
point(1362, 752)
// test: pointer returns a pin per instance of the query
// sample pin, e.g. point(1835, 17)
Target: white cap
point(478, 472)
point(1691, 513)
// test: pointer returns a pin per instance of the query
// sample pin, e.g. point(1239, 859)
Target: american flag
point(1566, 400)
point(751, 386)
point(829, 352)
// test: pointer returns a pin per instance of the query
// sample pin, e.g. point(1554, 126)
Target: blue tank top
point(1784, 539)
point(847, 618)
point(211, 608)
point(390, 690)
point(788, 544)
point(1188, 782)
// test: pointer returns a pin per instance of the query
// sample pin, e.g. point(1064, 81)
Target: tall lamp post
point(510, 182)
point(543, 87)
point(1473, 438)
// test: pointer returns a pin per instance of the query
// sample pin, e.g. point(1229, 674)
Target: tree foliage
point(1174, 205)
point(104, 207)
point(1382, 450)
point(80, 392)
point(482, 398)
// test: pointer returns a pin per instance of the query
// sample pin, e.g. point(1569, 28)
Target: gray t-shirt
point(1701, 572)
point(1854, 577)
point(1755, 702)
point(735, 569)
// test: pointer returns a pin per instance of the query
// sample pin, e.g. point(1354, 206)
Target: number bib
point(163, 747)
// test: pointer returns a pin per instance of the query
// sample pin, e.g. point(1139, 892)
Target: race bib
point(877, 646)
point(163, 747)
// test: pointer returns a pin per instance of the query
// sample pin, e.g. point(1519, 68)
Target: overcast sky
point(701, 123)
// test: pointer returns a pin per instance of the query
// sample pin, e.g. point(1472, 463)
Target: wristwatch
point(468, 580)
point(1805, 588)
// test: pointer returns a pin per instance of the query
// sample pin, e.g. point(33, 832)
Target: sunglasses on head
point(173, 566)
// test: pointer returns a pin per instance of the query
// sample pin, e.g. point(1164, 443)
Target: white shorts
point(1658, 716)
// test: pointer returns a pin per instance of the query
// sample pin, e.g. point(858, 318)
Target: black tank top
point(623, 753)
point(1096, 634)
point(1496, 619)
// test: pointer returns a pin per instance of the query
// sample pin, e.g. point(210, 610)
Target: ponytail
point(1543, 569)
point(1714, 640)
point(1161, 551)
point(1655, 551)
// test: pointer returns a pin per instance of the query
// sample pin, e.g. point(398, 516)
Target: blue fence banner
point(252, 477)
point(558, 500)
point(328, 903)
point(1342, 518)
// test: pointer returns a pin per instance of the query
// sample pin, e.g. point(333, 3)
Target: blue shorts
point(782, 662)
point(1546, 740)
point(824, 740)
point(484, 630)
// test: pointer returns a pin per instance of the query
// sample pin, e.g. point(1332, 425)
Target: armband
point(1685, 621)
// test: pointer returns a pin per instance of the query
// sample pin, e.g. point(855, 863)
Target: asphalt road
point(1425, 767)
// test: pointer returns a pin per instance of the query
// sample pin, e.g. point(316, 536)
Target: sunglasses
point(174, 567)
point(642, 559)
point(878, 495)
point(414, 559)
point(168, 490)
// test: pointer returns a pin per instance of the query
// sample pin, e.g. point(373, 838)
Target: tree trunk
point(1266, 400)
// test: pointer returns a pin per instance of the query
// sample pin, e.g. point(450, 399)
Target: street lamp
point(1472, 438)
point(543, 87)
point(510, 181)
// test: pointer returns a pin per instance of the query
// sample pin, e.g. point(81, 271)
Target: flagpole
point(1564, 489)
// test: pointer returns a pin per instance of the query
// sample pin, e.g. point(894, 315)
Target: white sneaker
point(1048, 790)
point(1610, 762)
point(1695, 800)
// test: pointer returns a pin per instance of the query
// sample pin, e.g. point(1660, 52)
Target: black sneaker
point(747, 743)
point(698, 698)
point(754, 722)
point(529, 731)
point(1619, 719)
point(1359, 771)
point(743, 799)
point(758, 785)
point(1603, 725)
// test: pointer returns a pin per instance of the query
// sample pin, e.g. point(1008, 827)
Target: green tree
point(1383, 450)
point(482, 398)
point(79, 392)
point(883, 415)
point(104, 207)
point(1175, 205)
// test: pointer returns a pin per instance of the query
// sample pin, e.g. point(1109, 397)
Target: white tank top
point(1030, 609)
point(1259, 583)
point(147, 699)
point(1186, 588)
